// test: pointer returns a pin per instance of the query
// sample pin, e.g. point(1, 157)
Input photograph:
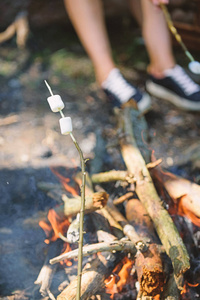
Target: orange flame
point(120, 277)
point(177, 205)
point(183, 211)
point(184, 290)
point(57, 225)
point(124, 273)
point(110, 284)
point(64, 182)
point(193, 284)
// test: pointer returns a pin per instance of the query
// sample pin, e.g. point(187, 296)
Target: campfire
point(140, 226)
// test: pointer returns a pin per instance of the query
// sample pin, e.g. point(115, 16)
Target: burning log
point(93, 201)
point(93, 277)
point(148, 262)
point(45, 276)
point(183, 192)
point(146, 192)
point(149, 265)
point(98, 270)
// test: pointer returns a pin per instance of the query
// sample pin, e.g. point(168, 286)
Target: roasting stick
point(56, 105)
point(194, 65)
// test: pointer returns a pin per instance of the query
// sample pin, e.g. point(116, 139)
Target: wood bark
point(112, 176)
point(148, 265)
point(146, 192)
point(123, 198)
point(47, 271)
point(171, 292)
point(100, 152)
point(114, 246)
point(93, 277)
point(128, 229)
point(71, 206)
point(92, 202)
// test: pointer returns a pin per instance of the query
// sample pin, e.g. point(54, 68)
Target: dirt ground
point(31, 143)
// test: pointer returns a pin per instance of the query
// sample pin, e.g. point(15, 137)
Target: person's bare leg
point(157, 39)
point(156, 35)
point(136, 10)
point(88, 21)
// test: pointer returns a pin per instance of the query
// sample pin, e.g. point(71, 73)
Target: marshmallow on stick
point(56, 104)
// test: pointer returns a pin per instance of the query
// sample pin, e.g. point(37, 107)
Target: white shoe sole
point(163, 93)
point(144, 105)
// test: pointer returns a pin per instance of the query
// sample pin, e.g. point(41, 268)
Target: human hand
point(158, 2)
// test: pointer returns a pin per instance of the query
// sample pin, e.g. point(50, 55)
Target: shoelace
point(116, 84)
point(184, 81)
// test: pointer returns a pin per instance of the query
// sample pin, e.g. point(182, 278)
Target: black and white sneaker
point(119, 92)
point(176, 87)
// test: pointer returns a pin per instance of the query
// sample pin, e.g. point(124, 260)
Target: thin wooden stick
point(128, 229)
point(114, 246)
point(80, 249)
point(112, 176)
point(174, 31)
point(123, 198)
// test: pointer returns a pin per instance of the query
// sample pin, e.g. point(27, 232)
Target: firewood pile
point(141, 223)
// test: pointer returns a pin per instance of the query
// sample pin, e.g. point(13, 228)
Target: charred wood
point(47, 271)
point(148, 265)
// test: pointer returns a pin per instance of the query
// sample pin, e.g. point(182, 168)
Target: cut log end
point(100, 199)
point(152, 282)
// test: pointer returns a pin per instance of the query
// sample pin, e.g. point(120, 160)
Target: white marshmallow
point(55, 102)
point(194, 67)
point(65, 125)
